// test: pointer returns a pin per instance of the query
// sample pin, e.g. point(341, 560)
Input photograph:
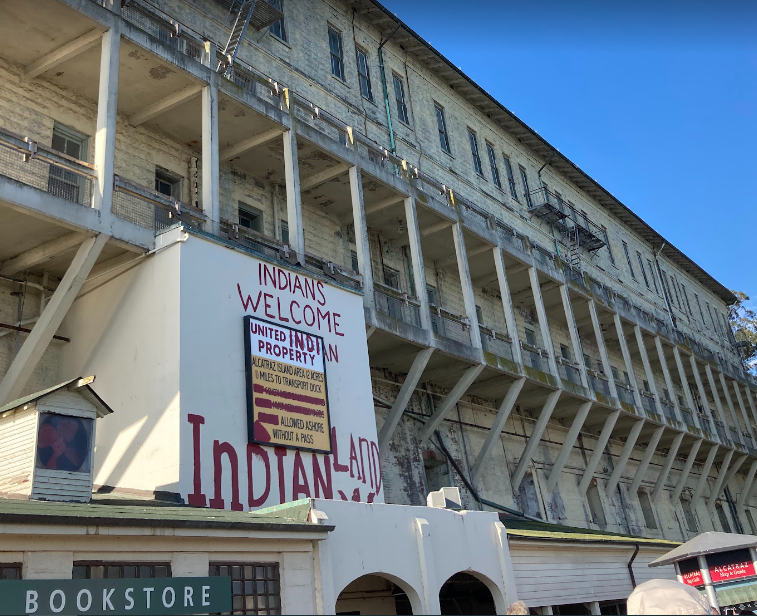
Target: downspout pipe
point(630, 566)
point(383, 87)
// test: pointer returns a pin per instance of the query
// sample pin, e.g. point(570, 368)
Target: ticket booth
point(721, 566)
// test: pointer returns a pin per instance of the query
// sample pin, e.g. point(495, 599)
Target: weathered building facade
point(531, 340)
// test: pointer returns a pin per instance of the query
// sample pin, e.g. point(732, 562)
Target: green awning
point(733, 594)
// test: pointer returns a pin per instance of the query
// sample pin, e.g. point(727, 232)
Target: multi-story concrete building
point(530, 339)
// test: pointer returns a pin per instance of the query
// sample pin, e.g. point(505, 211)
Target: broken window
point(646, 509)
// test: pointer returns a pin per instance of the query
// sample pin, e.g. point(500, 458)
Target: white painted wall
point(417, 548)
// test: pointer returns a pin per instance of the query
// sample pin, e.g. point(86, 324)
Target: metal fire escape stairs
point(574, 249)
point(244, 13)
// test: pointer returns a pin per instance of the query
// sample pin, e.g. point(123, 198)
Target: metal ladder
point(241, 12)
point(574, 250)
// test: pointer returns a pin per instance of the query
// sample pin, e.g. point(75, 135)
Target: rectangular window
point(526, 190)
point(749, 517)
point(399, 96)
point(493, 165)
point(167, 183)
point(62, 183)
point(250, 218)
point(643, 271)
point(335, 47)
point(441, 124)
point(595, 506)
point(564, 352)
point(666, 286)
point(530, 336)
point(688, 514)
point(646, 509)
point(278, 29)
point(364, 74)
point(628, 260)
point(510, 178)
point(587, 361)
point(474, 152)
point(654, 278)
point(615, 374)
point(355, 264)
point(607, 244)
point(391, 277)
point(645, 385)
point(104, 570)
point(724, 525)
point(285, 232)
point(675, 291)
point(10, 571)
point(686, 300)
point(626, 378)
point(255, 587)
point(709, 310)
point(701, 314)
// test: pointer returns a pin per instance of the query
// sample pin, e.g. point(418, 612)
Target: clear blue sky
point(657, 101)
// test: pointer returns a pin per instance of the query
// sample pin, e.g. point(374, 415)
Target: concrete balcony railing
point(396, 304)
point(569, 371)
point(39, 166)
point(536, 358)
point(449, 325)
point(599, 383)
point(648, 402)
point(688, 417)
point(625, 394)
point(668, 411)
point(497, 343)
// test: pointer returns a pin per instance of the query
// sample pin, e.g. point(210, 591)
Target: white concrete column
point(469, 299)
point(541, 313)
point(107, 108)
point(416, 255)
point(495, 431)
point(294, 199)
point(362, 244)
point(751, 403)
point(505, 564)
point(599, 448)
point(703, 396)
point(48, 566)
point(620, 466)
point(507, 304)
point(716, 397)
point(602, 347)
point(668, 379)
point(211, 191)
point(44, 329)
point(699, 489)
point(647, 366)
point(533, 441)
point(731, 408)
point(687, 469)
point(567, 446)
point(403, 397)
point(575, 339)
point(628, 362)
point(719, 481)
point(430, 591)
point(649, 451)
point(453, 397)
point(685, 386)
point(744, 413)
point(665, 471)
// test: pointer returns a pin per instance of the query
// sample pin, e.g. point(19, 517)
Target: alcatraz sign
point(287, 397)
point(116, 597)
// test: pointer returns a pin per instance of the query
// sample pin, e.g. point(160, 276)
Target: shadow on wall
point(378, 593)
point(464, 593)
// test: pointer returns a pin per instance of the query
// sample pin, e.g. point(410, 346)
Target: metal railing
point(599, 382)
point(668, 410)
point(145, 207)
point(494, 342)
point(569, 371)
point(721, 432)
point(39, 166)
point(535, 357)
point(572, 274)
point(648, 402)
point(735, 434)
point(625, 393)
point(396, 304)
point(688, 417)
point(510, 236)
point(547, 259)
point(599, 289)
point(449, 325)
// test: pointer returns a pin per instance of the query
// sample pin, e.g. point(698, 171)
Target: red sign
point(693, 579)
point(723, 566)
point(734, 571)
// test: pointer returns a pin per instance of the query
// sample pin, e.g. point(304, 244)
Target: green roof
point(85, 390)
point(290, 518)
point(527, 529)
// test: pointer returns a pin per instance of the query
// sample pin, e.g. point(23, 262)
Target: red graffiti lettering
point(257, 450)
point(318, 478)
point(281, 453)
point(338, 468)
point(300, 483)
point(217, 501)
point(197, 498)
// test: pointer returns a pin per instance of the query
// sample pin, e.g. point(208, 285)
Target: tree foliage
point(743, 321)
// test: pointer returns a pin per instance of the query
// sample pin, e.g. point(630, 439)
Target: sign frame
point(247, 319)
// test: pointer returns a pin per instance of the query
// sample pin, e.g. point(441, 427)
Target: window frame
point(278, 5)
point(510, 177)
point(526, 188)
point(496, 179)
point(364, 78)
point(88, 564)
point(403, 115)
point(443, 130)
point(170, 178)
point(654, 277)
point(215, 569)
point(251, 211)
point(628, 259)
point(476, 156)
point(337, 34)
point(643, 271)
point(18, 567)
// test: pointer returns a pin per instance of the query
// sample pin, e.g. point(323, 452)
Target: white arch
point(500, 602)
point(412, 594)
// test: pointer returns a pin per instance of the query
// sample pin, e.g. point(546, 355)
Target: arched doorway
point(464, 593)
point(374, 594)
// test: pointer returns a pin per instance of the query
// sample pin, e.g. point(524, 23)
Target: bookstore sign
point(120, 597)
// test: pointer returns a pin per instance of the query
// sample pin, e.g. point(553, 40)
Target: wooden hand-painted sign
point(287, 396)
point(116, 597)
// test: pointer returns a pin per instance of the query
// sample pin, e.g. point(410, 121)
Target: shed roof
point(82, 386)
point(706, 543)
point(433, 60)
point(290, 519)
